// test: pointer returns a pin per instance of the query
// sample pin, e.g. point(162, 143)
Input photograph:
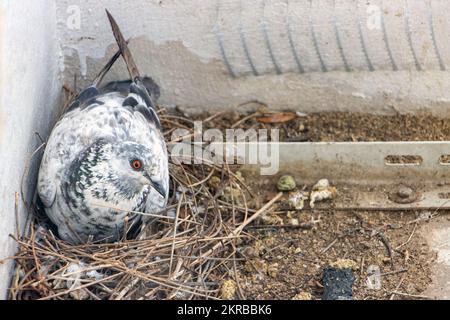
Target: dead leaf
point(277, 117)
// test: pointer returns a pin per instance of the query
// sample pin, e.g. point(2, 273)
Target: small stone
point(214, 181)
point(320, 195)
point(179, 295)
point(386, 260)
point(79, 294)
point(286, 183)
point(301, 127)
point(272, 270)
point(250, 252)
point(228, 290)
point(231, 194)
point(255, 265)
point(271, 220)
point(295, 222)
point(302, 296)
point(406, 256)
point(344, 264)
point(321, 185)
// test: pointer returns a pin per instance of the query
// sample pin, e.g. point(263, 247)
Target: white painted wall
point(192, 47)
point(29, 91)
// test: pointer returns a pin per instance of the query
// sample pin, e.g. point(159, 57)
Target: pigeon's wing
point(150, 113)
point(47, 191)
point(85, 95)
point(139, 104)
point(124, 87)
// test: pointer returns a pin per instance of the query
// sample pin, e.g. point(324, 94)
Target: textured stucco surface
point(29, 91)
point(222, 53)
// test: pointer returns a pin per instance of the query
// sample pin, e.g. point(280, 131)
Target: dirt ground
point(343, 127)
point(283, 263)
point(280, 262)
point(358, 127)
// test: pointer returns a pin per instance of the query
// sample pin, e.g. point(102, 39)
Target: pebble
point(302, 296)
point(344, 264)
point(286, 183)
point(215, 181)
point(228, 290)
point(321, 185)
point(272, 270)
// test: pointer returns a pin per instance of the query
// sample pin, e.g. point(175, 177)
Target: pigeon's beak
point(160, 188)
point(157, 185)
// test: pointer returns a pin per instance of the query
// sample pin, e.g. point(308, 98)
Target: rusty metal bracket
point(369, 174)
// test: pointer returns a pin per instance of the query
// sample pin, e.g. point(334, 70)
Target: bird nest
point(187, 252)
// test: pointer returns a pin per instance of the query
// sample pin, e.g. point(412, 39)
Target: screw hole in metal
point(403, 160)
point(444, 160)
point(444, 195)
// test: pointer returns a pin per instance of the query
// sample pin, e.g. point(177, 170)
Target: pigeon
point(104, 171)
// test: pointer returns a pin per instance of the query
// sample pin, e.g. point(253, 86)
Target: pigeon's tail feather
point(126, 53)
point(137, 87)
point(98, 79)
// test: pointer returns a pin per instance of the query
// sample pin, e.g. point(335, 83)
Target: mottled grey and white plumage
point(105, 160)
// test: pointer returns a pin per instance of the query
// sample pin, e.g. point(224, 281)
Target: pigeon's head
point(138, 166)
point(127, 175)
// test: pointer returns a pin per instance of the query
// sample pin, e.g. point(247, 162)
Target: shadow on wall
point(29, 96)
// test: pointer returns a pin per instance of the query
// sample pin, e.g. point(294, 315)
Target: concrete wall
point(371, 56)
point(29, 91)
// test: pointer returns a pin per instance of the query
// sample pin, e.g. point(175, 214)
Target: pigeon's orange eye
point(136, 164)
